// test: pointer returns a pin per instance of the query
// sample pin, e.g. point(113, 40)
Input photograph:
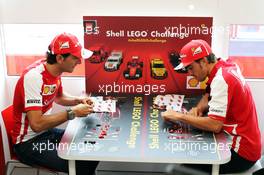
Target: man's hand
point(171, 115)
point(195, 111)
point(82, 110)
point(85, 100)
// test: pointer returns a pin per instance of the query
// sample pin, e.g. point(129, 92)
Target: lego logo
point(90, 27)
point(91, 30)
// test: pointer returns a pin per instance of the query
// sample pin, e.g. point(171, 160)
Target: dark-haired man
point(36, 90)
point(228, 101)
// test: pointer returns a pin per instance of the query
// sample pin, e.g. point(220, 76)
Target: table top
point(137, 133)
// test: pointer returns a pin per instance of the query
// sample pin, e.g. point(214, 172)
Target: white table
point(140, 138)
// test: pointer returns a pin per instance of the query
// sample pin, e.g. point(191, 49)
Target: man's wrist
point(183, 117)
point(70, 114)
point(77, 101)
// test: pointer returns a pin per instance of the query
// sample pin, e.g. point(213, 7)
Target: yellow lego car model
point(158, 70)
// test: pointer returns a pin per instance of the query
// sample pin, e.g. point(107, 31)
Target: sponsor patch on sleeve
point(33, 101)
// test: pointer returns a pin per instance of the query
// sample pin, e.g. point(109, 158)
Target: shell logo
point(46, 90)
point(193, 82)
point(49, 89)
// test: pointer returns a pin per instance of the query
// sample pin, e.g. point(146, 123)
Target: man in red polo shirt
point(227, 100)
point(36, 90)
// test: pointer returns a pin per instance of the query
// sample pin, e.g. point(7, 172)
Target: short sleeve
point(219, 97)
point(32, 91)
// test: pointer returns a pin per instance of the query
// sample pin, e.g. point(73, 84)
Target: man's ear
point(59, 58)
point(204, 61)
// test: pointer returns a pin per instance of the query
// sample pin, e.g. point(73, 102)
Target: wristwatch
point(70, 114)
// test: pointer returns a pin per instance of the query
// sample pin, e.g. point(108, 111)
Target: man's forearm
point(204, 123)
point(67, 100)
point(44, 122)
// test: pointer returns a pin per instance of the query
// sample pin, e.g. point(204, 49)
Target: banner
point(138, 54)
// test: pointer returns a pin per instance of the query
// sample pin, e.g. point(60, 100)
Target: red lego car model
point(99, 54)
point(134, 68)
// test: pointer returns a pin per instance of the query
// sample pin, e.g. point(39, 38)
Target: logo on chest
point(49, 89)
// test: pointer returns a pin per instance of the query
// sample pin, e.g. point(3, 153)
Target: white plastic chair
point(7, 122)
point(257, 165)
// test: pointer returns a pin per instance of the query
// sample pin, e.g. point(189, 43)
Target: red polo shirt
point(36, 89)
point(231, 101)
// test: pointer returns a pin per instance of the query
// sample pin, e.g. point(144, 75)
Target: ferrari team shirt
point(36, 89)
point(231, 101)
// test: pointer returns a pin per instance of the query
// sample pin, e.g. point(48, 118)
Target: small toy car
point(134, 68)
point(158, 70)
point(99, 54)
point(114, 61)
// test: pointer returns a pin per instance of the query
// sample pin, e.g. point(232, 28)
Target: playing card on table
point(97, 98)
point(101, 105)
point(169, 101)
point(159, 100)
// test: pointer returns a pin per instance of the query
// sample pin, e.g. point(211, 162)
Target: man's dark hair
point(51, 58)
point(211, 58)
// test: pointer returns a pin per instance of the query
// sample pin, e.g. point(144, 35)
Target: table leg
point(72, 167)
point(215, 169)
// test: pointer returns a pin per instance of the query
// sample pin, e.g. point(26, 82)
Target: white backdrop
point(225, 12)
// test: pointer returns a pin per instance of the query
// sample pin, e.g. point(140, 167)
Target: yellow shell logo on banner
point(192, 83)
